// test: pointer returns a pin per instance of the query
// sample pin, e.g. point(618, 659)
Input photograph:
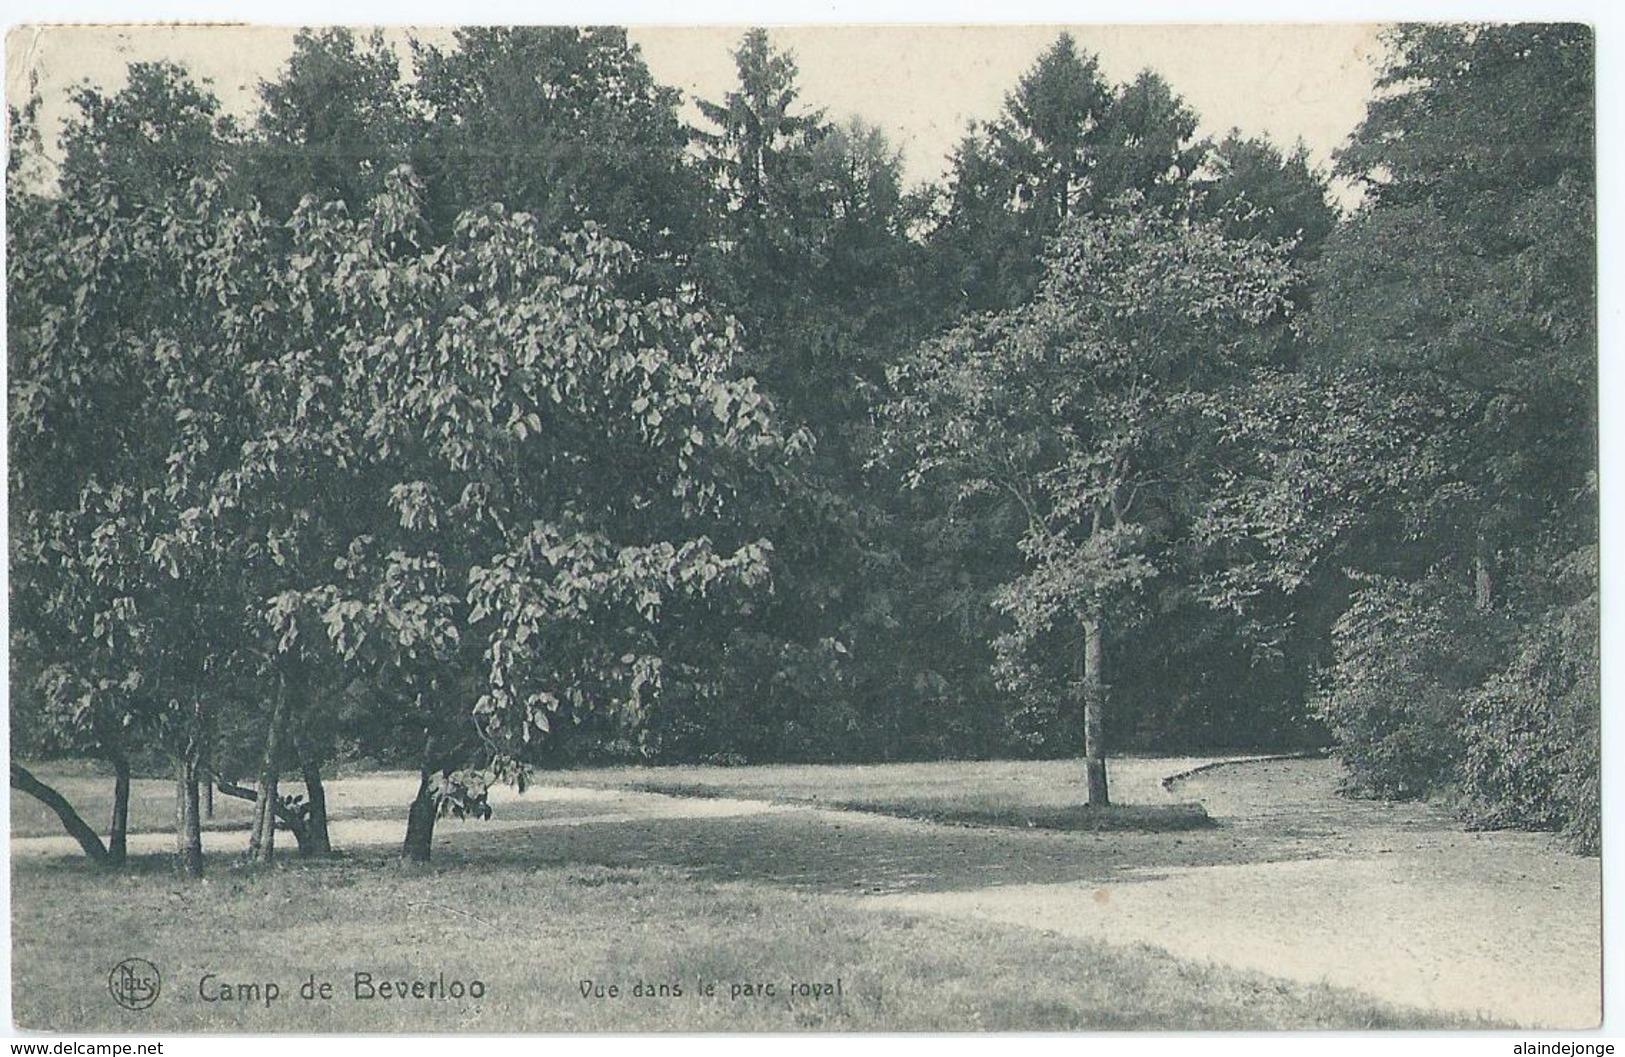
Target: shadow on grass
point(229, 866)
point(812, 850)
point(855, 853)
point(1077, 818)
point(1071, 818)
point(1286, 811)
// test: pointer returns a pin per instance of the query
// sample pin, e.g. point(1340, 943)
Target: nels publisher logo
point(133, 983)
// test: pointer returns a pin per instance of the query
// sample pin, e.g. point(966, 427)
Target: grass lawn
point(599, 881)
point(534, 934)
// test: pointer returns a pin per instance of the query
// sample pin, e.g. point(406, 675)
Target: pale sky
point(921, 84)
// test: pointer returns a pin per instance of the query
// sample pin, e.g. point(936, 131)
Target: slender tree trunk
point(119, 829)
point(89, 840)
point(1483, 578)
point(420, 822)
point(188, 830)
point(208, 784)
point(262, 842)
point(317, 842)
point(1094, 719)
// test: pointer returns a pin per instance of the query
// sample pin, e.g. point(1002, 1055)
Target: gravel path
point(1394, 900)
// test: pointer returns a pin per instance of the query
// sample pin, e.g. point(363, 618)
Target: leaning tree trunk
point(420, 823)
point(262, 841)
point(188, 829)
point(1094, 718)
point(119, 829)
point(78, 829)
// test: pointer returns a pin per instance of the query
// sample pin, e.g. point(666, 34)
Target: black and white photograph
point(811, 528)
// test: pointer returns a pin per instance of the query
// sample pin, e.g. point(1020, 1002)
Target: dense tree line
point(492, 417)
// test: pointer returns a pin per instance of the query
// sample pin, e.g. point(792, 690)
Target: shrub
point(1531, 734)
point(1408, 656)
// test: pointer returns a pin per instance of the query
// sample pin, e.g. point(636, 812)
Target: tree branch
point(243, 792)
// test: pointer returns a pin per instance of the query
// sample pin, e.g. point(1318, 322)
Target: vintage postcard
point(844, 528)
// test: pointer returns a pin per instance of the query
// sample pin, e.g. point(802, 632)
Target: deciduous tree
point(540, 463)
point(1083, 408)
